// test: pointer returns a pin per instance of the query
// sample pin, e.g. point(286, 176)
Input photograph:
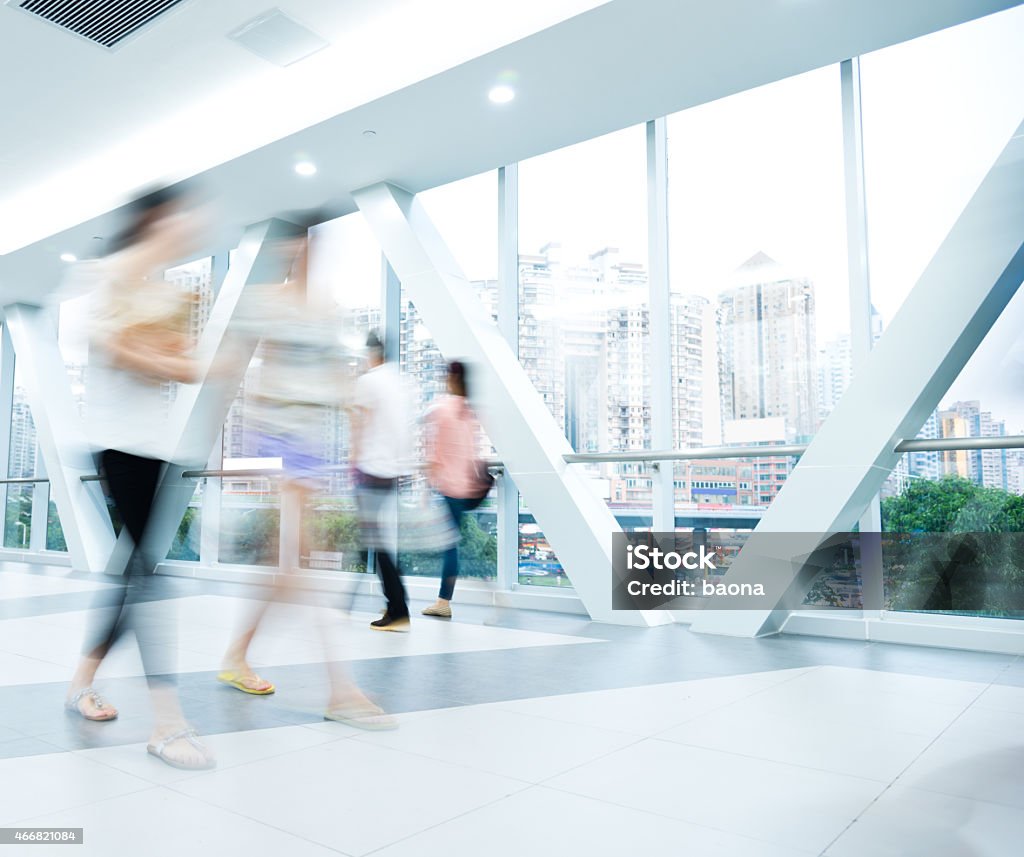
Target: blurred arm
point(159, 356)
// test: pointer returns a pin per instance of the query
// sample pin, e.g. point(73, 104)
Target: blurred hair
point(458, 378)
point(144, 210)
point(374, 344)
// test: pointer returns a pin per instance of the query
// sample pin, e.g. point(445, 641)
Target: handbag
point(484, 481)
point(425, 525)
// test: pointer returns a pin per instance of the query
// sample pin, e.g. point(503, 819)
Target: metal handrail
point(643, 455)
point(273, 472)
point(946, 444)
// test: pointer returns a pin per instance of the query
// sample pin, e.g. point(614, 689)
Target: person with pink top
point(455, 470)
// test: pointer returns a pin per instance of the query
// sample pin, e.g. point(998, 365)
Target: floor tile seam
point(677, 818)
point(715, 709)
point(500, 705)
point(714, 749)
point(362, 738)
point(27, 820)
point(841, 709)
point(888, 692)
point(547, 780)
point(936, 739)
point(32, 658)
point(986, 684)
point(366, 740)
point(792, 765)
point(995, 708)
point(902, 773)
point(169, 787)
point(172, 787)
point(456, 817)
point(1017, 808)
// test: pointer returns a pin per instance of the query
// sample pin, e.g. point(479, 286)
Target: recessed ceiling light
point(68, 257)
point(501, 94)
point(305, 168)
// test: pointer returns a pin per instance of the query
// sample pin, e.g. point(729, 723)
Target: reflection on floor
point(520, 734)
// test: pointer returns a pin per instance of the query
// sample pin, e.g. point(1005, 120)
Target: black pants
point(373, 494)
point(132, 481)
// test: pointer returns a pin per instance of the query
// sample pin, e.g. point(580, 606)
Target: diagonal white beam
point(575, 520)
point(972, 277)
point(61, 437)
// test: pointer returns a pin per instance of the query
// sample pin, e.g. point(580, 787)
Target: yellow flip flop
point(238, 681)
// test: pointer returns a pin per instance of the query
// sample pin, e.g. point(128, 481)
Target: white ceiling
point(89, 125)
point(612, 66)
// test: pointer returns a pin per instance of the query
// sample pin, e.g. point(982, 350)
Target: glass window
point(346, 264)
point(938, 110)
point(583, 317)
point(758, 263)
point(20, 463)
point(759, 291)
point(465, 213)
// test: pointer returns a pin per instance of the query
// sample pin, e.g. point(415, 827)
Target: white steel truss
point(576, 522)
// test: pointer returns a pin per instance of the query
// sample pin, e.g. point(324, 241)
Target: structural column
point(508, 325)
point(660, 324)
point(861, 334)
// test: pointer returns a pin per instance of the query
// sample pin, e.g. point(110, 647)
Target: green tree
point(18, 516)
point(186, 540)
point(951, 505)
point(54, 531)
point(954, 546)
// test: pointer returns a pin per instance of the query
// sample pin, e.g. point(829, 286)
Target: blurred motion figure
point(381, 453)
point(304, 372)
point(139, 342)
point(455, 470)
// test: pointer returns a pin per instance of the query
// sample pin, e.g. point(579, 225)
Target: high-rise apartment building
point(835, 366)
point(767, 347)
point(985, 467)
point(693, 359)
point(22, 461)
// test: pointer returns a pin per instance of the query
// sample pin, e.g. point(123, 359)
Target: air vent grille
point(105, 22)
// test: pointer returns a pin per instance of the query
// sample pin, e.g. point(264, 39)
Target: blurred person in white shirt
point(381, 421)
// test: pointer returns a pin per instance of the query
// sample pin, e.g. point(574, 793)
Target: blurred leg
point(235, 667)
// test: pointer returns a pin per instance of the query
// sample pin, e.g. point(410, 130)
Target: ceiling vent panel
point(275, 37)
point(103, 22)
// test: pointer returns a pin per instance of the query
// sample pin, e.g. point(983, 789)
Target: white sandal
point(190, 735)
point(363, 716)
point(97, 700)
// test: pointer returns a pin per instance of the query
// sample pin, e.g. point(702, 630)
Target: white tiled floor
point(538, 776)
point(811, 761)
point(45, 648)
point(16, 585)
